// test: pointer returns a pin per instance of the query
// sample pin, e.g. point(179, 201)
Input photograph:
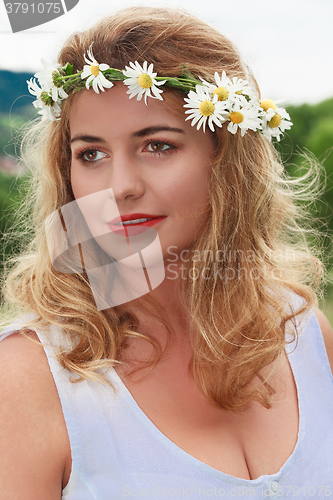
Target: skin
point(162, 172)
point(157, 172)
point(255, 442)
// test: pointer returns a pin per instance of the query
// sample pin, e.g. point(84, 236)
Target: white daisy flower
point(93, 72)
point(242, 87)
point(45, 78)
point(44, 103)
point(204, 107)
point(275, 120)
point(244, 115)
point(228, 90)
point(141, 81)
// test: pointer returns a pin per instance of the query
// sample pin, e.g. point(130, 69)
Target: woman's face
point(146, 160)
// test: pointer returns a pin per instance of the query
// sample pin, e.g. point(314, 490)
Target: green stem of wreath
point(112, 74)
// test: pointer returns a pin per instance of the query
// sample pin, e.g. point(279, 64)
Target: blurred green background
point(312, 131)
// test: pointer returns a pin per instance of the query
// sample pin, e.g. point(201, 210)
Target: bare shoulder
point(327, 332)
point(32, 429)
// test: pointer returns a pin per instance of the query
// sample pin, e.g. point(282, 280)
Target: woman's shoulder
point(327, 333)
point(23, 364)
point(23, 361)
point(32, 428)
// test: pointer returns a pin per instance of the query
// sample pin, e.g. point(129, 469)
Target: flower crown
point(225, 100)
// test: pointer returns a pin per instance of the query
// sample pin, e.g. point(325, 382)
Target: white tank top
point(118, 453)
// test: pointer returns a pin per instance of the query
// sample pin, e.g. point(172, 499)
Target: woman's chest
point(247, 445)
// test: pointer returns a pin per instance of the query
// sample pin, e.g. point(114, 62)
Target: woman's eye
point(90, 155)
point(159, 147)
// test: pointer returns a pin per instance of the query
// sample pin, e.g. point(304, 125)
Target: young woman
point(170, 346)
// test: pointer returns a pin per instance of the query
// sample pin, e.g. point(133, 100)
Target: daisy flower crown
point(226, 100)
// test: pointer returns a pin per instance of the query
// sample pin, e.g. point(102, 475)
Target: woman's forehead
point(113, 109)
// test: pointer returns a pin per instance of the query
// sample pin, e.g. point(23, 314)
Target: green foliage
point(14, 93)
point(312, 131)
point(306, 120)
point(9, 199)
point(320, 143)
point(15, 109)
point(9, 129)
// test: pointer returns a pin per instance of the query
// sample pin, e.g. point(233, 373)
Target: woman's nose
point(126, 178)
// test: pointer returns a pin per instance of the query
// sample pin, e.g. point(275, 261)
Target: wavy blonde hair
point(241, 311)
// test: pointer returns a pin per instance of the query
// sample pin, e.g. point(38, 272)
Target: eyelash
point(80, 155)
point(171, 149)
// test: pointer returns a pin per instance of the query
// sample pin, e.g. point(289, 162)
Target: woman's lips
point(135, 228)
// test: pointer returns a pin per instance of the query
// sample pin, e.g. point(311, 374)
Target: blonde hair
point(240, 320)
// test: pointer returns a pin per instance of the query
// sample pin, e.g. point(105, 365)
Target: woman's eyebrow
point(87, 138)
point(152, 130)
point(140, 133)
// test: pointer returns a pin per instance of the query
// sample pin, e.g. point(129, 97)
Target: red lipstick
point(137, 226)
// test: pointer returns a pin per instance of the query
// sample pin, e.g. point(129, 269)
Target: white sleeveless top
point(118, 453)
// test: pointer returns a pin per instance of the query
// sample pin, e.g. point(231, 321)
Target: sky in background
point(288, 43)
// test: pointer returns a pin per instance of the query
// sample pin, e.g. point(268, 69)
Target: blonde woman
point(213, 381)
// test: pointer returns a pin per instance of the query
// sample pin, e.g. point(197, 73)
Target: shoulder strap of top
point(309, 347)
